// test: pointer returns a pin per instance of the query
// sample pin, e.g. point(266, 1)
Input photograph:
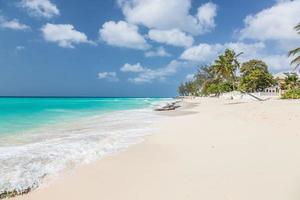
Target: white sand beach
point(213, 149)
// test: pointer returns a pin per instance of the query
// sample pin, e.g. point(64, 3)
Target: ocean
point(42, 137)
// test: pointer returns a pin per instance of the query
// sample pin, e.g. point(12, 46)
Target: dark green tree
point(255, 76)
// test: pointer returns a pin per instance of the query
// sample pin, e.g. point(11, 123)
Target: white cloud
point(173, 37)
point(40, 8)
point(13, 24)
point(246, 48)
point(159, 52)
point(20, 48)
point(275, 27)
point(190, 77)
point(171, 14)
point(110, 76)
point(64, 35)
point(122, 34)
point(159, 74)
point(277, 62)
point(206, 16)
point(207, 53)
point(275, 23)
point(136, 68)
point(202, 52)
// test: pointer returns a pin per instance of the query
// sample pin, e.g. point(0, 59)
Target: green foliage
point(203, 74)
point(291, 81)
point(292, 94)
point(215, 79)
point(188, 88)
point(226, 65)
point(255, 76)
point(296, 51)
point(221, 77)
point(219, 88)
point(292, 85)
point(182, 90)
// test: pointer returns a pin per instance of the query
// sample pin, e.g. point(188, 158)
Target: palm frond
point(296, 61)
point(241, 53)
point(297, 27)
point(294, 51)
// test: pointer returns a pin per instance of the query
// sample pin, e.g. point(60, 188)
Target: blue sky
point(133, 47)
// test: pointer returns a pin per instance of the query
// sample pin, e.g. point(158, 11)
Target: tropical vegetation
point(292, 82)
point(222, 76)
point(255, 76)
point(291, 85)
point(296, 51)
point(228, 74)
point(292, 94)
point(188, 89)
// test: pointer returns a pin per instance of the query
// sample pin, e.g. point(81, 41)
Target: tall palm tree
point(293, 52)
point(226, 66)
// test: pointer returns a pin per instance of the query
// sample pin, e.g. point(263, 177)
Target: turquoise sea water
point(41, 137)
point(18, 114)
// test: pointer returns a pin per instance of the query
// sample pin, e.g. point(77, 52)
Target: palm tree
point(296, 51)
point(226, 66)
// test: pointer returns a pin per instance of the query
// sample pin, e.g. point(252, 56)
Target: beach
point(210, 149)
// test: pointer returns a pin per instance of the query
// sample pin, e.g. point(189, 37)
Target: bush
point(219, 88)
point(292, 94)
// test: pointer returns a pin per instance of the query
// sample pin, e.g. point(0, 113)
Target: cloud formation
point(122, 34)
point(136, 68)
point(171, 14)
point(40, 8)
point(205, 53)
point(173, 37)
point(273, 24)
point(202, 52)
point(13, 24)
point(110, 76)
point(64, 35)
point(159, 52)
point(147, 75)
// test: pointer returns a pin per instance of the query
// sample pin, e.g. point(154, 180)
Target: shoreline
point(30, 160)
point(214, 149)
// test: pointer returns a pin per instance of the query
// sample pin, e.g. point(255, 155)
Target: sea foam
point(26, 159)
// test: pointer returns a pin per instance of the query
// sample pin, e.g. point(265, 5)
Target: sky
point(134, 48)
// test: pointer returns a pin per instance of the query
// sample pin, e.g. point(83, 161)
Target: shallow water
point(42, 137)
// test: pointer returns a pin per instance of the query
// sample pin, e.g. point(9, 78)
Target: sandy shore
point(213, 149)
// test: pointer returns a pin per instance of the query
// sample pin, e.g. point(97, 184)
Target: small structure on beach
point(272, 91)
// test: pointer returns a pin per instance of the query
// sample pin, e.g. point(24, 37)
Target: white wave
point(47, 151)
